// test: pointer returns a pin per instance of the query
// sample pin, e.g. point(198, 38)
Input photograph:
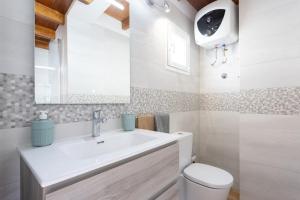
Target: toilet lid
point(208, 176)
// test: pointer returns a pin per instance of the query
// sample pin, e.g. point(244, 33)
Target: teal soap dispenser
point(42, 131)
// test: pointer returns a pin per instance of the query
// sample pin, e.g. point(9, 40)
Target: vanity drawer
point(138, 179)
point(170, 194)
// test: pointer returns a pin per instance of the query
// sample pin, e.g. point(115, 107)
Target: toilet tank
point(185, 141)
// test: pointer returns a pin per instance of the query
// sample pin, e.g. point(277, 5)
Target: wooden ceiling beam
point(44, 32)
point(199, 4)
point(120, 15)
point(41, 44)
point(87, 2)
point(125, 24)
point(49, 14)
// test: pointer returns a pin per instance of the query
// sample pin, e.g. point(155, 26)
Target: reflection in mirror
point(82, 52)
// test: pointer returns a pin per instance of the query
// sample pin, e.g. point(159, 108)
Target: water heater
point(217, 24)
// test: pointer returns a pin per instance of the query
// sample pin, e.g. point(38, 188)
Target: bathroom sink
point(72, 157)
point(92, 147)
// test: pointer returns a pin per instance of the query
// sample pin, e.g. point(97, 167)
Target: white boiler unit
point(216, 24)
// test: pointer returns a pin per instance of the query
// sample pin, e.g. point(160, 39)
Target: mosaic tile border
point(17, 106)
point(83, 99)
point(219, 102)
point(276, 101)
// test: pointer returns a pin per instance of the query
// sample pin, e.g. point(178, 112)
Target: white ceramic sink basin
point(92, 147)
point(74, 156)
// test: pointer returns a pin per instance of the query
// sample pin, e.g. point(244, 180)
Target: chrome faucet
point(97, 120)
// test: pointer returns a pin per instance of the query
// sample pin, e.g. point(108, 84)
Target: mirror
point(82, 52)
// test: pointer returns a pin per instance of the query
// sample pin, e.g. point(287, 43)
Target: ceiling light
point(116, 4)
point(164, 6)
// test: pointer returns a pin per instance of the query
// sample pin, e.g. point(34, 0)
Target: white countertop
point(51, 165)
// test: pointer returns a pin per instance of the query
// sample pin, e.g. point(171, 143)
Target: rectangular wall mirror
point(82, 52)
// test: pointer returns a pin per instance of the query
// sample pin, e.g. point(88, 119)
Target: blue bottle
point(42, 131)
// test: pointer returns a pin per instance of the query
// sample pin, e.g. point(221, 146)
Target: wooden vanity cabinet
point(138, 179)
point(172, 193)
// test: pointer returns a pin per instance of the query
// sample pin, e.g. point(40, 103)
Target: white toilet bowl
point(205, 182)
point(200, 181)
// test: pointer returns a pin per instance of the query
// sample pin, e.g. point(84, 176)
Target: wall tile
point(281, 73)
point(9, 161)
point(269, 49)
point(21, 11)
point(218, 141)
point(265, 122)
point(18, 108)
point(210, 76)
point(188, 122)
point(151, 76)
point(220, 121)
point(16, 49)
point(262, 182)
point(149, 50)
point(219, 101)
point(148, 70)
point(269, 100)
point(277, 41)
point(281, 101)
point(267, 143)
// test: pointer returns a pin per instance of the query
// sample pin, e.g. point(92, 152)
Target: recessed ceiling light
point(164, 6)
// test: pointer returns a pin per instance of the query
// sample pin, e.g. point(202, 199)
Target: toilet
point(200, 181)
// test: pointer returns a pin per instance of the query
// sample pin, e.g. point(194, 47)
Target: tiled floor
point(234, 195)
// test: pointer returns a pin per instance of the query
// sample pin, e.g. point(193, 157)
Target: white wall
point(270, 55)
point(149, 49)
point(218, 141)
point(210, 76)
point(270, 44)
point(16, 49)
point(148, 29)
point(147, 70)
point(219, 130)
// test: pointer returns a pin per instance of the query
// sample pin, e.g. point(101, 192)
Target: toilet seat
point(208, 176)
